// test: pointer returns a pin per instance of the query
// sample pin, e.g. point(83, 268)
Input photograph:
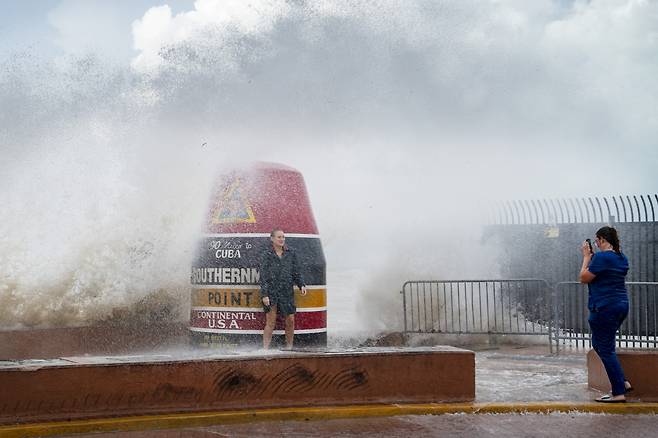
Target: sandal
point(608, 399)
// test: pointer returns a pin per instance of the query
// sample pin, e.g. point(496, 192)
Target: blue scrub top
point(609, 285)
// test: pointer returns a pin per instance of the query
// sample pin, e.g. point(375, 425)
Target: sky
point(53, 28)
point(406, 118)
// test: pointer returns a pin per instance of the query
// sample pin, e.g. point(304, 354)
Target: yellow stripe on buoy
point(249, 297)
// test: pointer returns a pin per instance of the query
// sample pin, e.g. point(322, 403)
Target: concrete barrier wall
point(103, 339)
point(640, 368)
point(87, 390)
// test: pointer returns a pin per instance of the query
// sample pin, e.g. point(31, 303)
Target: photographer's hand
point(585, 276)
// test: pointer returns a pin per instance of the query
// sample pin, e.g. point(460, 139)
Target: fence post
point(555, 319)
point(404, 305)
point(550, 319)
point(550, 338)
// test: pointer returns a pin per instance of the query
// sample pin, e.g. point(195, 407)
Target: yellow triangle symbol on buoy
point(233, 208)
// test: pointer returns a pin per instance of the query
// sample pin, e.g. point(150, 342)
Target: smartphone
point(589, 243)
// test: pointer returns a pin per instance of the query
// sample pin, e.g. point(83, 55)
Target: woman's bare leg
point(270, 321)
point(290, 330)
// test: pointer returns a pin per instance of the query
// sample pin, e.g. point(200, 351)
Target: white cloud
point(535, 65)
point(158, 28)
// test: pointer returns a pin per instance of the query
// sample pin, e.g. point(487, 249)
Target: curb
point(200, 419)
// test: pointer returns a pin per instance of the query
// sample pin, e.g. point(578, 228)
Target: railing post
point(404, 305)
point(556, 316)
point(550, 318)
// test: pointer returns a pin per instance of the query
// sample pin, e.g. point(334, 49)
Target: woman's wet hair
point(611, 236)
point(274, 231)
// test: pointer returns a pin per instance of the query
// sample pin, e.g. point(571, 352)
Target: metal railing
point(515, 306)
point(524, 307)
point(571, 329)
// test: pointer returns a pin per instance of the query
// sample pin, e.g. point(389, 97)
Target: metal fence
point(571, 329)
point(524, 307)
point(518, 306)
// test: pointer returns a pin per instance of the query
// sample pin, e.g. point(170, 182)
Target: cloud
point(568, 74)
point(158, 29)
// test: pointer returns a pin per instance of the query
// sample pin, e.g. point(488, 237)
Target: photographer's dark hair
point(610, 235)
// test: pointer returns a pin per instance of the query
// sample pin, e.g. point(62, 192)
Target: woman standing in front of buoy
point(605, 273)
point(279, 272)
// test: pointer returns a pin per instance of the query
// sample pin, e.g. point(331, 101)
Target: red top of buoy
point(260, 198)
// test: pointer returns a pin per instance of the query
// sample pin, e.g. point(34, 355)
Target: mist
point(406, 118)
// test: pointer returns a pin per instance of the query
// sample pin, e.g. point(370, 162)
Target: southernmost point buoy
point(246, 205)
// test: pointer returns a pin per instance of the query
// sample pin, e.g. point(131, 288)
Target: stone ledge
point(79, 390)
point(639, 368)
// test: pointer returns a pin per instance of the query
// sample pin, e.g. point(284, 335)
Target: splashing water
point(403, 116)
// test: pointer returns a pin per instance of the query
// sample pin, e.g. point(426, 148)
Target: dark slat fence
point(541, 238)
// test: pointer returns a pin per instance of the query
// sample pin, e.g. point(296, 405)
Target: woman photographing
point(604, 272)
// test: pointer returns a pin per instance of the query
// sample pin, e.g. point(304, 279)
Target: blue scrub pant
point(604, 323)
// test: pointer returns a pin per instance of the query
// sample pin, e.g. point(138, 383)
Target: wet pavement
point(503, 374)
point(524, 374)
point(448, 425)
